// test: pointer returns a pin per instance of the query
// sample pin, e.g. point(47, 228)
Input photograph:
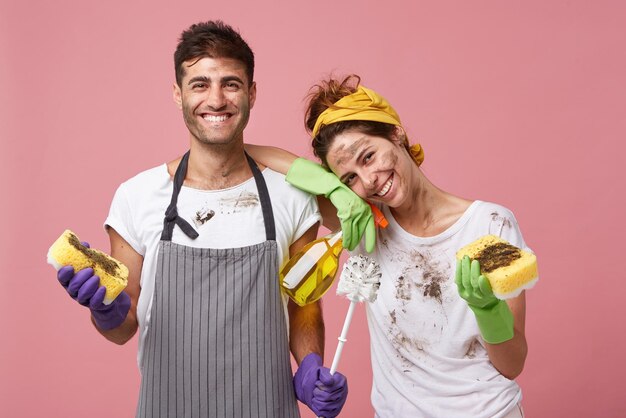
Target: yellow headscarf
point(364, 104)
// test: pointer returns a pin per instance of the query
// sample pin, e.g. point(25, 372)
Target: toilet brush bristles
point(360, 279)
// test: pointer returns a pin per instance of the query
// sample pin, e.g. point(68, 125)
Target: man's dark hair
point(213, 39)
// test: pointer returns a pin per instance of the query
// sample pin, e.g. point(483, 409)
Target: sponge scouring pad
point(508, 268)
point(67, 250)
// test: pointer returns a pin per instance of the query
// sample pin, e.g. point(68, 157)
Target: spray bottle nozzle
point(379, 218)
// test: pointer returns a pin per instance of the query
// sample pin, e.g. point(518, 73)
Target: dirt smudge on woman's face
point(346, 154)
point(388, 160)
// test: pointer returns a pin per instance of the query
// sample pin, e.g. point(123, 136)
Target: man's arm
point(306, 324)
point(121, 250)
point(323, 393)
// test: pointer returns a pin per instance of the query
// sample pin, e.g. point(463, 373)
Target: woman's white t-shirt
point(428, 356)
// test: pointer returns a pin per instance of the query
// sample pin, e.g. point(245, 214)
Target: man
point(203, 240)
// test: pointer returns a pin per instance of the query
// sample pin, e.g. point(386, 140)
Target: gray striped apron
point(217, 339)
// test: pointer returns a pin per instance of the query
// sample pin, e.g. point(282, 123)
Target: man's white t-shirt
point(428, 357)
point(227, 218)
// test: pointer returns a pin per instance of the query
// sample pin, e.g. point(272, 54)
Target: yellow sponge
point(508, 268)
point(68, 251)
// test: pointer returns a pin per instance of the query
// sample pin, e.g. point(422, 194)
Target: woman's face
point(374, 167)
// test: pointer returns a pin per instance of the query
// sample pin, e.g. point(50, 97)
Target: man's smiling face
point(216, 97)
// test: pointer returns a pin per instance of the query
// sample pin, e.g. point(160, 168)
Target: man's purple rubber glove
point(323, 393)
point(84, 287)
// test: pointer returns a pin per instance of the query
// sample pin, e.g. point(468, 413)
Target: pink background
point(521, 103)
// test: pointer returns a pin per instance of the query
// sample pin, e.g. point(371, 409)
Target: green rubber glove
point(353, 212)
point(493, 315)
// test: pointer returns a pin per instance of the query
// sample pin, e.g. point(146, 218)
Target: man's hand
point(84, 287)
point(323, 393)
point(493, 315)
point(353, 212)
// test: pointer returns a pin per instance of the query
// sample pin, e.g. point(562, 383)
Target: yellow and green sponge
point(67, 250)
point(508, 268)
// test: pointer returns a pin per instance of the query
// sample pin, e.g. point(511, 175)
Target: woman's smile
point(386, 187)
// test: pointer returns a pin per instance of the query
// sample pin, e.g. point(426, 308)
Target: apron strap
point(171, 214)
point(264, 197)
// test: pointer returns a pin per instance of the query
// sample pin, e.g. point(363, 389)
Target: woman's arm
point(509, 357)
point(329, 213)
point(352, 213)
point(280, 160)
point(277, 159)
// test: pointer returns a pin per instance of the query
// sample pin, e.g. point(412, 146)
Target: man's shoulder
point(151, 176)
point(146, 185)
point(278, 186)
point(289, 203)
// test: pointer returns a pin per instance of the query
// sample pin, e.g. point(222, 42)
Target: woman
point(439, 348)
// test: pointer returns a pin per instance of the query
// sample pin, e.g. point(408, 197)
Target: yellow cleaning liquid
point(310, 273)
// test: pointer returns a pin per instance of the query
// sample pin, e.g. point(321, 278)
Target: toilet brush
point(359, 281)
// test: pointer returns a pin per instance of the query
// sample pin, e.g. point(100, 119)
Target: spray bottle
point(311, 272)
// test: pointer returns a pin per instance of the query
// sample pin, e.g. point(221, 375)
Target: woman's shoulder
point(493, 218)
point(491, 209)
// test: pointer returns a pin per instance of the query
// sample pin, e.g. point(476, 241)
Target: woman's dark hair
point(325, 95)
point(213, 39)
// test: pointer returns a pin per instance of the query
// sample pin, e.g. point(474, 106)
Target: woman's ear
point(400, 136)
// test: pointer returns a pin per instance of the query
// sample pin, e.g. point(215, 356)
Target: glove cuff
point(114, 314)
point(311, 177)
point(311, 360)
point(495, 323)
point(309, 363)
